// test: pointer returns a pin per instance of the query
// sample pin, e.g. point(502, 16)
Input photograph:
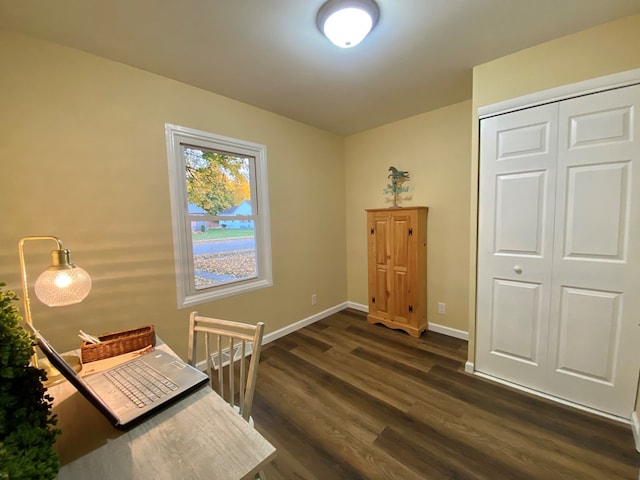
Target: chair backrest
point(233, 341)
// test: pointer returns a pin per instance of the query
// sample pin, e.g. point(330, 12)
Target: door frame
point(556, 94)
point(586, 87)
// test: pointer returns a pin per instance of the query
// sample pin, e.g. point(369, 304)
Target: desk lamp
point(61, 284)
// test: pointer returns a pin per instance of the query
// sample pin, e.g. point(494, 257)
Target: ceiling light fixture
point(347, 22)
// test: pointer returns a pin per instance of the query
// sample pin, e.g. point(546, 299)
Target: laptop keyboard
point(141, 383)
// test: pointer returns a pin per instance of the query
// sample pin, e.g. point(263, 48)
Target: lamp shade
point(59, 286)
point(347, 22)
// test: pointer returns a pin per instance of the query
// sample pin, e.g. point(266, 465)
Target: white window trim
point(175, 136)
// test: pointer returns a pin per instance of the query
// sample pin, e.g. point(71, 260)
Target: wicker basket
point(117, 343)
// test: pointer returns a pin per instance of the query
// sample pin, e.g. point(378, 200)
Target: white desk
point(201, 436)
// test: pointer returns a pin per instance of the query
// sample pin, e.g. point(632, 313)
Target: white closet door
point(517, 197)
point(558, 249)
point(594, 340)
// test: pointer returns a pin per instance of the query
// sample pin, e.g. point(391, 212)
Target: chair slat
point(242, 377)
point(220, 366)
point(231, 373)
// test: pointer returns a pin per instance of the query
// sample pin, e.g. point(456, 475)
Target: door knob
point(517, 269)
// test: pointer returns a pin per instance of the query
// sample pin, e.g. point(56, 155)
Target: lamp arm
point(25, 285)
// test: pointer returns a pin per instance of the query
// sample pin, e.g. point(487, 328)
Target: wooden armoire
point(397, 268)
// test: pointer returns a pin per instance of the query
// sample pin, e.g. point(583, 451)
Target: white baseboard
point(635, 426)
point(358, 306)
point(469, 367)
point(451, 332)
point(270, 337)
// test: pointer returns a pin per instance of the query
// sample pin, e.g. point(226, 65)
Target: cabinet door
point(403, 260)
point(380, 266)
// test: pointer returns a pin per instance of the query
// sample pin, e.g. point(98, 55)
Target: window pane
point(222, 256)
point(223, 239)
point(218, 183)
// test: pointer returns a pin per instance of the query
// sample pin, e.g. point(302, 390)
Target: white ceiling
point(269, 53)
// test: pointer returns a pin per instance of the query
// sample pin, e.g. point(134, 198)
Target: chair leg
point(261, 475)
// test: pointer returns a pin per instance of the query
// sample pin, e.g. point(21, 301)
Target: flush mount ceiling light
point(347, 22)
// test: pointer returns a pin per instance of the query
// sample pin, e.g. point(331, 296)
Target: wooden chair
point(233, 342)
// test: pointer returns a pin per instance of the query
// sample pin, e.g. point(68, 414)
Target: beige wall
point(609, 48)
point(83, 158)
point(434, 149)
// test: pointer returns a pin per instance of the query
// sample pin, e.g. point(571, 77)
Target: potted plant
point(27, 427)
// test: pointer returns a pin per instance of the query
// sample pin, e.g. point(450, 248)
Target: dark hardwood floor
point(342, 399)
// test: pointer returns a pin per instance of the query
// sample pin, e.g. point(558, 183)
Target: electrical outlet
point(314, 299)
point(442, 308)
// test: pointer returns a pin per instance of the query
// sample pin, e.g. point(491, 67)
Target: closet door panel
point(519, 230)
point(516, 321)
point(593, 334)
point(517, 189)
point(601, 310)
point(596, 213)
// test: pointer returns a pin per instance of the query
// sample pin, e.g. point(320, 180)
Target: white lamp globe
point(347, 22)
point(347, 28)
point(61, 287)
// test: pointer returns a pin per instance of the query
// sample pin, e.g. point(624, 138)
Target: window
point(220, 212)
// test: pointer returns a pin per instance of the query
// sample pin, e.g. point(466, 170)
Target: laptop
point(128, 393)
